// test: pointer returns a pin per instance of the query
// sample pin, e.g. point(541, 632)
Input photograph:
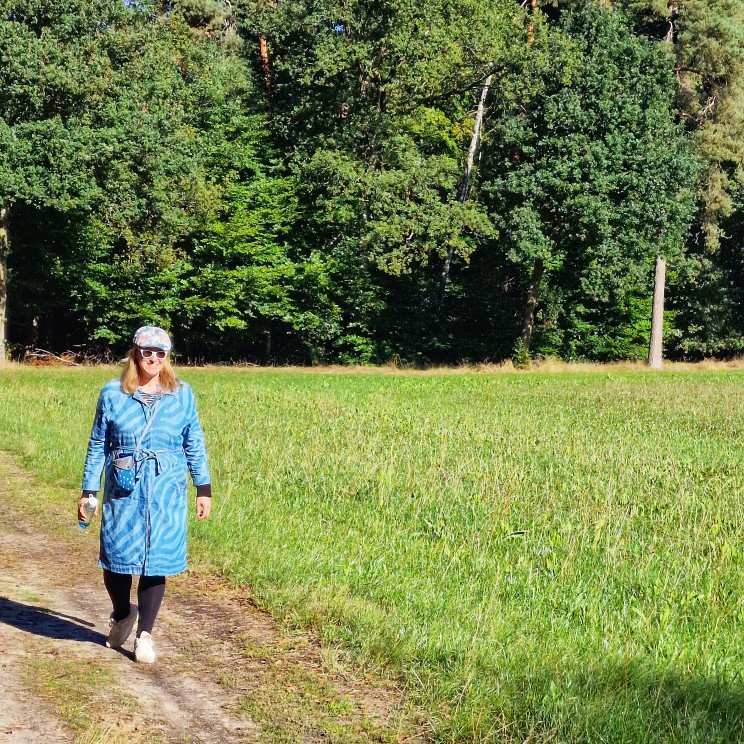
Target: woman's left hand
point(203, 506)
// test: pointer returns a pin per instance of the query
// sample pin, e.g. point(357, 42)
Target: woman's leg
point(122, 620)
point(150, 592)
point(118, 587)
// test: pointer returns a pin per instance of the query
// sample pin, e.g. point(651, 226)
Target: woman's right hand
point(81, 505)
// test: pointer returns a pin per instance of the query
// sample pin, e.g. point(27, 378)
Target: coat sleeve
point(96, 456)
point(193, 441)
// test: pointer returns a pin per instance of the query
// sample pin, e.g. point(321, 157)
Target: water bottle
point(89, 506)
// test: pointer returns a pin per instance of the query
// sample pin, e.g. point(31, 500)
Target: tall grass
point(542, 557)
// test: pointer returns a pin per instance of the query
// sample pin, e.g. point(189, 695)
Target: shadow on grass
point(631, 702)
point(48, 623)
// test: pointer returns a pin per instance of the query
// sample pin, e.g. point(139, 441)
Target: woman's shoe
point(144, 651)
point(119, 630)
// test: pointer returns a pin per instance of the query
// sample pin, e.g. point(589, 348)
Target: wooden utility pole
point(4, 245)
point(657, 316)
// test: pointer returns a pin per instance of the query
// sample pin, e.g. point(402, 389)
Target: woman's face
point(151, 360)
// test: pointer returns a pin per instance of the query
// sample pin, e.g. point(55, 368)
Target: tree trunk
point(533, 293)
point(657, 316)
point(263, 48)
point(4, 247)
point(671, 20)
point(531, 32)
point(465, 190)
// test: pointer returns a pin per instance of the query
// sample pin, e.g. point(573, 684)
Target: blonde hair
point(130, 374)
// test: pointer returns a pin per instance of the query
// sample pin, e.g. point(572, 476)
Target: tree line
point(372, 180)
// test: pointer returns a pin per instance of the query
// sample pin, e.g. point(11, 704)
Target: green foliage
point(300, 208)
point(92, 120)
point(594, 179)
point(710, 53)
point(186, 226)
point(707, 297)
point(378, 136)
point(211, 17)
point(47, 54)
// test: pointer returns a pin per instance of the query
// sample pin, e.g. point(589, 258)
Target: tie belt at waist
point(141, 455)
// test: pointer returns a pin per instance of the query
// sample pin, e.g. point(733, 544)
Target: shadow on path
point(44, 622)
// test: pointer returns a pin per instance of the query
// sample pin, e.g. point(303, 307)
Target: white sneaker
point(144, 651)
point(119, 630)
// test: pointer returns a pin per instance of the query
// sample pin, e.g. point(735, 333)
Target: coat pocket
point(124, 468)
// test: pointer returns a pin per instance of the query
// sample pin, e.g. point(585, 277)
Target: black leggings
point(150, 592)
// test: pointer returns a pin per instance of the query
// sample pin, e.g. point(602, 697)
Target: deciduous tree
point(590, 182)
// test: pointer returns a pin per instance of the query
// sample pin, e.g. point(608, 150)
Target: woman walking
point(146, 433)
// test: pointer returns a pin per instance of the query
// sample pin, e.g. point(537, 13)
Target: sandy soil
point(225, 671)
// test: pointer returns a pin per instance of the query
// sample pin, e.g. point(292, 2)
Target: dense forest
point(372, 180)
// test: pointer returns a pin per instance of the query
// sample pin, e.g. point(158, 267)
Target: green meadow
point(535, 556)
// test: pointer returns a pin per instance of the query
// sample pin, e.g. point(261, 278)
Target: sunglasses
point(147, 353)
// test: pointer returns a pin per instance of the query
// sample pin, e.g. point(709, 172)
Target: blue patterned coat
point(144, 531)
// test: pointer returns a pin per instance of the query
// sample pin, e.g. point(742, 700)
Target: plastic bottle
point(90, 505)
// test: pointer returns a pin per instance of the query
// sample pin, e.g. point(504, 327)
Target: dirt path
point(225, 672)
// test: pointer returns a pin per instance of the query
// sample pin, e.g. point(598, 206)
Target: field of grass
point(539, 556)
